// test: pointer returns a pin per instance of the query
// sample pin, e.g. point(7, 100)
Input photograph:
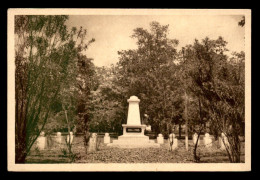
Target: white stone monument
point(195, 137)
point(92, 143)
point(174, 140)
point(160, 139)
point(133, 132)
point(207, 140)
point(58, 138)
point(221, 139)
point(70, 138)
point(41, 141)
point(106, 138)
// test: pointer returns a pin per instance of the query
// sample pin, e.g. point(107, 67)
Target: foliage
point(59, 88)
point(108, 109)
point(149, 72)
point(45, 54)
point(218, 82)
point(160, 76)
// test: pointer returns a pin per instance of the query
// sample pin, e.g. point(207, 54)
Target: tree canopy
point(58, 87)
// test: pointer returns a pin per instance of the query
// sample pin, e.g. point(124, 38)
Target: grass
point(136, 155)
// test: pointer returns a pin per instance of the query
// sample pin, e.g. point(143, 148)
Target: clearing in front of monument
point(133, 155)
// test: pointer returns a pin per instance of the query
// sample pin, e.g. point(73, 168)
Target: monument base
point(133, 137)
point(134, 142)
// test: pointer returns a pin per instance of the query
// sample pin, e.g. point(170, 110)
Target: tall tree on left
point(44, 50)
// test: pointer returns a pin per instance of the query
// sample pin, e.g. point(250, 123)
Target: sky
point(112, 32)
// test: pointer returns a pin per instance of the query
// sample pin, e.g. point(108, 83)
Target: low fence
point(50, 141)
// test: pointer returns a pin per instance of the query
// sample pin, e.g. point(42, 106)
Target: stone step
point(131, 142)
point(121, 142)
point(151, 141)
point(127, 141)
point(134, 141)
point(143, 145)
point(115, 141)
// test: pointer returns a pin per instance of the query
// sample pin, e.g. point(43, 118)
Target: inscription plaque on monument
point(134, 130)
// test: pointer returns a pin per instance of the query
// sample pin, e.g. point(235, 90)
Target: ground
point(106, 154)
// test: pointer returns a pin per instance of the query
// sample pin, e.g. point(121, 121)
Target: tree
point(108, 111)
point(219, 84)
point(86, 84)
point(75, 102)
point(149, 72)
point(44, 52)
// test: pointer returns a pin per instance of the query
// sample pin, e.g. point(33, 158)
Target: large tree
point(218, 82)
point(86, 84)
point(45, 51)
point(149, 72)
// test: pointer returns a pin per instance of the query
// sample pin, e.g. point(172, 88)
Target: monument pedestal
point(133, 132)
point(133, 137)
point(133, 129)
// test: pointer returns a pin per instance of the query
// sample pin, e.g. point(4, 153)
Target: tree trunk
point(234, 150)
point(68, 143)
point(186, 122)
point(20, 150)
point(179, 130)
point(86, 132)
point(20, 125)
point(196, 157)
point(20, 158)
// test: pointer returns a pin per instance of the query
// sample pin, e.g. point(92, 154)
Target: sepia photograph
point(129, 90)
